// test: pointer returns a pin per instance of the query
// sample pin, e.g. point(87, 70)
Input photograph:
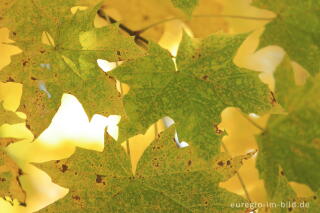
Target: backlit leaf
point(168, 179)
point(296, 29)
point(205, 83)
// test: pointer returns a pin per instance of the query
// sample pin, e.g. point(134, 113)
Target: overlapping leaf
point(206, 82)
point(9, 170)
point(68, 64)
point(292, 141)
point(8, 117)
point(168, 179)
point(284, 199)
point(186, 5)
point(296, 28)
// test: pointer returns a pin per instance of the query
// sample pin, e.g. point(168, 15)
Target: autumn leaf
point(168, 179)
point(292, 141)
point(9, 170)
point(186, 5)
point(205, 83)
point(296, 29)
point(286, 200)
point(68, 64)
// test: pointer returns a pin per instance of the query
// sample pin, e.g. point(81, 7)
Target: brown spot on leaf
point(314, 197)
point(290, 209)
point(42, 51)
point(228, 162)
point(220, 163)
point(273, 99)
point(99, 178)
point(3, 179)
point(64, 168)
point(205, 77)
point(23, 204)
point(282, 172)
point(20, 172)
point(189, 163)
point(24, 63)
point(33, 78)
point(76, 197)
point(10, 79)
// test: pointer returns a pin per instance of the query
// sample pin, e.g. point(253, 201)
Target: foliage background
point(71, 126)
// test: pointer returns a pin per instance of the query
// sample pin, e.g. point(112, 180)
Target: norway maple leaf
point(68, 64)
point(205, 83)
point(284, 199)
point(296, 29)
point(9, 170)
point(167, 179)
point(292, 141)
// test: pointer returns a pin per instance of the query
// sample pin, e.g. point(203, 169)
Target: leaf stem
point(252, 122)
point(239, 176)
point(203, 16)
point(127, 141)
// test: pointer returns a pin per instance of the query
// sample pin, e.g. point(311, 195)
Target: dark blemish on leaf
point(76, 173)
point(228, 162)
point(220, 163)
point(57, 161)
point(145, 18)
point(64, 168)
point(118, 53)
point(10, 80)
point(99, 178)
point(189, 163)
point(23, 204)
point(282, 172)
point(27, 125)
point(33, 78)
point(14, 33)
point(42, 51)
point(76, 197)
point(273, 99)
point(20, 172)
point(290, 209)
point(2, 179)
point(24, 63)
point(314, 197)
point(205, 77)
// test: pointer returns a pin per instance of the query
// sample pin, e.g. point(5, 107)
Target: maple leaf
point(167, 179)
point(292, 141)
point(68, 64)
point(296, 29)
point(206, 82)
point(9, 170)
point(186, 5)
point(286, 199)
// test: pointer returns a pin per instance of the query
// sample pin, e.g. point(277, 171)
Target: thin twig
point(203, 16)
point(252, 122)
point(138, 39)
point(239, 176)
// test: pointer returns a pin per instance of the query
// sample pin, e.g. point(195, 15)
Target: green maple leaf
point(296, 29)
point(292, 141)
point(167, 179)
point(186, 6)
point(206, 82)
point(68, 64)
point(286, 199)
point(9, 170)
